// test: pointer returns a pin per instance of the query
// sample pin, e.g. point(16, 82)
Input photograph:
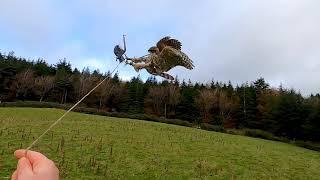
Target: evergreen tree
point(136, 95)
point(63, 81)
point(115, 78)
point(187, 108)
point(250, 108)
point(151, 81)
point(7, 75)
point(261, 90)
point(41, 68)
point(290, 115)
point(312, 125)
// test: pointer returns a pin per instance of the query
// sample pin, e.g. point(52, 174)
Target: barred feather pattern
point(174, 43)
point(167, 76)
point(170, 58)
point(163, 63)
point(167, 41)
point(186, 61)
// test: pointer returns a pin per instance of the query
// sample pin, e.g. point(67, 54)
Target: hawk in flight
point(164, 56)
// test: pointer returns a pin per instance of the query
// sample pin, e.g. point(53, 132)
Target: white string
point(58, 120)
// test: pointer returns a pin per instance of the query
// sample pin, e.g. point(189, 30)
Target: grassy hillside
point(96, 147)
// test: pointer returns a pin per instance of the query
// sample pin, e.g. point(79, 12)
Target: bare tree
point(172, 98)
point(206, 100)
point(105, 90)
point(85, 84)
point(43, 85)
point(227, 105)
point(24, 83)
point(157, 96)
point(117, 96)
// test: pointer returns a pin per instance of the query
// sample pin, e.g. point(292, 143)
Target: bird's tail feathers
point(167, 76)
point(186, 61)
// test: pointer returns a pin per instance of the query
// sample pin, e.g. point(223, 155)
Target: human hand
point(34, 166)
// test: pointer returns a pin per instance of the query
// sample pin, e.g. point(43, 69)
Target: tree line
point(282, 112)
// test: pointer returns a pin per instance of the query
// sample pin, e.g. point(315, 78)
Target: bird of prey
point(164, 56)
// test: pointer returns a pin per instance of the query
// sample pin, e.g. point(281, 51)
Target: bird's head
point(154, 50)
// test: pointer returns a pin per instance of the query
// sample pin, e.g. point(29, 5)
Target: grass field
point(96, 147)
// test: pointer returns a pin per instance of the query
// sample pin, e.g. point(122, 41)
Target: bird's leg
point(139, 66)
point(127, 60)
point(137, 60)
point(133, 60)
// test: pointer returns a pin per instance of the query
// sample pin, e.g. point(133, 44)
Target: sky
point(239, 41)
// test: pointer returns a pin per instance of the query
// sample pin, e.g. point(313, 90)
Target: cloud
point(35, 24)
point(245, 40)
point(228, 40)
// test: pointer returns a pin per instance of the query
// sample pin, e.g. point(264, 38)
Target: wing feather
point(171, 57)
point(167, 41)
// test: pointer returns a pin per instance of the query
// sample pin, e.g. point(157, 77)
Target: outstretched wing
point(170, 58)
point(167, 41)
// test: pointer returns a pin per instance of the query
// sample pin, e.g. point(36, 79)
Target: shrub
point(235, 132)
point(259, 134)
point(177, 122)
point(210, 127)
point(29, 104)
point(308, 145)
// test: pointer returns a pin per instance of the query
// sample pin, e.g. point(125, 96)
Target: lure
point(119, 52)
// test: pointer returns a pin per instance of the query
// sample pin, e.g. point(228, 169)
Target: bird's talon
point(137, 68)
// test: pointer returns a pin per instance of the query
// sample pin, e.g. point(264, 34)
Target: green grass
point(97, 147)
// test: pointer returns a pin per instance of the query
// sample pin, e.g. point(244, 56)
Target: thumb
point(24, 167)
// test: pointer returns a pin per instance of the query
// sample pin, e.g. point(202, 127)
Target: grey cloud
point(228, 40)
point(242, 41)
point(34, 24)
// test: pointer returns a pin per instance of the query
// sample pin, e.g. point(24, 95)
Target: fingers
point(32, 156)
point(14, 175)
point(24, 166)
